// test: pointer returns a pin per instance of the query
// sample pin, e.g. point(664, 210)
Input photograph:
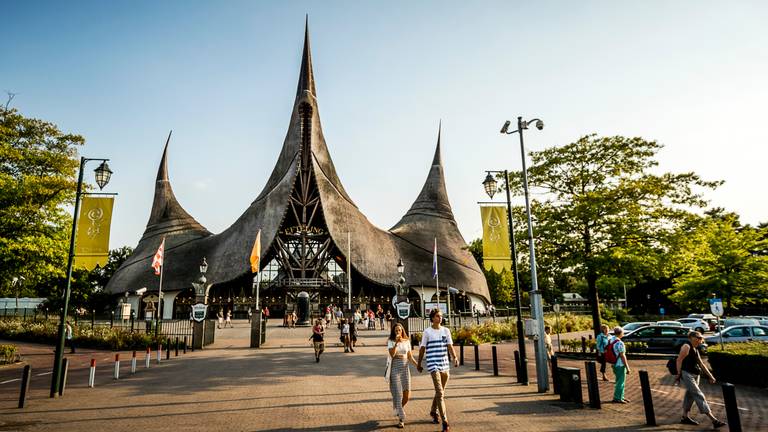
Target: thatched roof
point(375, 252)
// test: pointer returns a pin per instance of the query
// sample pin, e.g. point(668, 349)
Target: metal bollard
point(148, 357)
point(518, 366)
point(478, 319)
point(495, 361)
point(26, 378)
point(176, 353)
point(92, 373)
point(461, 353)
point(555, 380)
point(645, 386)
point(583, 344)
point(731, 407)
point(133, 363)
point(117, 367)
point(592, 388)
point(168, 349)
point(63, 380)
point(477, 357)
point(159, 352)
point(185, 345)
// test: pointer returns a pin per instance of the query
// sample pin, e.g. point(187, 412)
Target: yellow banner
point(92, 238)
point(496, 253)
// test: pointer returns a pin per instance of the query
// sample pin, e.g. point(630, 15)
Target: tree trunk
point(594, 301)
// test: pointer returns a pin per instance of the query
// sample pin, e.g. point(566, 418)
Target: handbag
point(388, 369)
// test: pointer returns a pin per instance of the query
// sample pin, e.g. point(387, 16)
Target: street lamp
point(102, 174)
point(537, 310)
point(490, 186)
point(400, 301)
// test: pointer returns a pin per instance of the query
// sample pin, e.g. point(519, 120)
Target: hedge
point(8, 354)
point(740, 363)
point(46, 332)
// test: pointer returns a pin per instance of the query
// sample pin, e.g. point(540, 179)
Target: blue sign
point(716, 306)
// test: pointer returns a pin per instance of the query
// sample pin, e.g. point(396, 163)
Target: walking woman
point(318, 339)
point(689, 369)
point(399, 346)
point(601, 342)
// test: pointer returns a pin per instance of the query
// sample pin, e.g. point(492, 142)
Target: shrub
point(8, 354)
point(574, 345)
point(484, 333)
point(728, 363)
point(568, 322)
point(99, 337)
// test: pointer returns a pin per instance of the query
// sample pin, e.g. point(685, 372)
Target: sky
point(691, 75)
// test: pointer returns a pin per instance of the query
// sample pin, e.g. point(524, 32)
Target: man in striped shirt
point(436, 343)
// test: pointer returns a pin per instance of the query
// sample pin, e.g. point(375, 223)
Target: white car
point(630, 327)
point(697, 324)
point(669, 324)
point(740, 333)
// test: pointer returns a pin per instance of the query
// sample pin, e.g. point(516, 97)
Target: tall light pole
point(103, 174)
point(491, 187)
point(537, 310)
point(401, 297)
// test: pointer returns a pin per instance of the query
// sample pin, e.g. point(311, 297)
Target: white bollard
point(117, 366)
point(92, 374)
point(159, 352)
point(133, 363)
point(148, 357)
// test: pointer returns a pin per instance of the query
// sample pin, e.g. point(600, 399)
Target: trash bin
point(570, 384)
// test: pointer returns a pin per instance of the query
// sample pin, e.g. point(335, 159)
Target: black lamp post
point(201, 287)
point(103, 174)
point(401, 295)
point(491, 187)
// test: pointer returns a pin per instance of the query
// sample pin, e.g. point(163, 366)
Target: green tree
point(38, 165)
point(501, 286)
point(602, 212)
point(720, 256)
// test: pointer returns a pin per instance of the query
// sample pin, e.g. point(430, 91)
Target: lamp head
point(103, 174)
point(505, 128)
point(204, 266)
point(490, 185)
point(400, 266)
point(539, 124)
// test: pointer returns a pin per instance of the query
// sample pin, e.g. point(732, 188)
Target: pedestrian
point(327, 316)
point(220, 316)
point(380, 316)
point(69, 337)
point(352, 333)
point(601, 342)
point(618, 353)
point(437, 344)
point(400, 353)
point(371, 320)
point(339, 314)
point(266, 313)
point(293, 319)
point(250, 314)
point(344, 337)
point(548, 341)
point(388, 317)
point(318, 339)
point(229, 319)
point(689, 370)
point(358, 317)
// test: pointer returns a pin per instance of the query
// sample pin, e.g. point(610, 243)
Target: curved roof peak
point(306, 76)
point(433, 199)
point(167, 215)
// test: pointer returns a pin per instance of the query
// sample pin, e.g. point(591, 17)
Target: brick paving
point(280, 388)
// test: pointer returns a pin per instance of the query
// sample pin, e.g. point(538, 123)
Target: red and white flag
point(157, 261)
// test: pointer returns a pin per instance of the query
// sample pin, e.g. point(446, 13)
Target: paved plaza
point(280, 388)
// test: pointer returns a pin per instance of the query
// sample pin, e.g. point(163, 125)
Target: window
point(759, 331)
point(738, 332)
point(648, 332)
point(671, 331)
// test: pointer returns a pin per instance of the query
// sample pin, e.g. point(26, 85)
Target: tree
point(720, 256)
point(501, 286)
point(38, 165)
point(601, 211)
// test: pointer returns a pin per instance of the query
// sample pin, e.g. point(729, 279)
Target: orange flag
point(256, 254)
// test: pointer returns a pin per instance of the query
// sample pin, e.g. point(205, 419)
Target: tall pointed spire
point(306, 77)
point(438, 160)
point(162, 171)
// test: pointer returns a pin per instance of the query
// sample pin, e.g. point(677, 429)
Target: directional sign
point(403, 310)
point(716, 305)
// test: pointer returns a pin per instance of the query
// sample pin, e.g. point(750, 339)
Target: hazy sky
point(692, 75)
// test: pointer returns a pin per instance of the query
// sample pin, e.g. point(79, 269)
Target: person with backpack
point(616, 354)
point(689, 368)
point(601, 342)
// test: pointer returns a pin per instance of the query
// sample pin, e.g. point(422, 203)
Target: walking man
point(68, 335)
point(689, 369)
point(437, 344)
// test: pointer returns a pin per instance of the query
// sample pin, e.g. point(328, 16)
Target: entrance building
point(314, 238)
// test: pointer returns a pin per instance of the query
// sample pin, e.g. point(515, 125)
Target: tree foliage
point(500, 285)
point(38, 165)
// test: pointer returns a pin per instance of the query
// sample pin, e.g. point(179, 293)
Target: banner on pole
point(496, 253)
point(92, 237)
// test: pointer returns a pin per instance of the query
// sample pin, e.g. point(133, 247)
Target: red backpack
point(610, 354)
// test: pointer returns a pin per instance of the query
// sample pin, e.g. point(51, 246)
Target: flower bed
point(574, 345)
point(100, 337)
point(740, 363)
point(485, 333)
point(8, 354)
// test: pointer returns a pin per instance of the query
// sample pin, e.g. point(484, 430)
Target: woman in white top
point(399, 346)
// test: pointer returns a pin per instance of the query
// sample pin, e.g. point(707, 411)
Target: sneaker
point(400, 425)
point(718, 424)
point(619, 401)
point(446, 427)
point(435, 419)
point(626, 400)
point(689, 421)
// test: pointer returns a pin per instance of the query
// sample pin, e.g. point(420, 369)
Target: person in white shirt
point(400, 354)
point(437, 344)
point(345, 339)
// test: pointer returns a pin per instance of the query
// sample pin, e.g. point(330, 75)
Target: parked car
point(697, 324)
point(628, 327)
point(669, 324)
point(709, 318)
point(740, 333)
point(730, 322)
point(662, 339)
point(762, 320)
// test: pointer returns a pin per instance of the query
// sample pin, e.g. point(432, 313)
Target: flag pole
point(349, 271)
point(159, 320)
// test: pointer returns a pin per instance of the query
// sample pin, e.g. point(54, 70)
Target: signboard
point(716, 306)
point(199, 311)
point(124, 312)
point(429, 306)
point(403, 310)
